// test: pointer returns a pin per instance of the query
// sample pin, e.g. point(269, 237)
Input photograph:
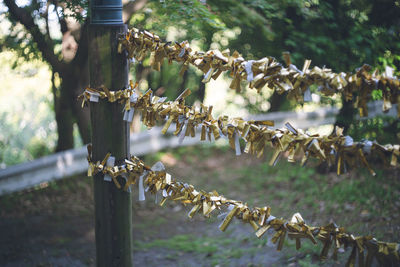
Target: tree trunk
point(276, 101)
point(185, 77)
point(64, 119)
point(345, 116)
point(82, 115)
point(69, 110)
point(201, 91)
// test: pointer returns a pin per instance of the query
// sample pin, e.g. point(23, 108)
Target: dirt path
point(163, 236)
point(54, 227)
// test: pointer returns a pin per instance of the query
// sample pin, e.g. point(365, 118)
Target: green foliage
point(376, 94)
point(186, 20)
point(77, 9)
point(390, 59)
point(27, 127)
point(19, 40)
point(341, 35)
point(338, 34)
point(191, 16)
point(383, 129)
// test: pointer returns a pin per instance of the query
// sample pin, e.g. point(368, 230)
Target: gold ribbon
point(366, 247)
point(335, 149)
point(266, 72)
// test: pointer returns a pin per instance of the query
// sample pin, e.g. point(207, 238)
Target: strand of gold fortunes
point(156, 180)
point(266, 71)
point(335, 149)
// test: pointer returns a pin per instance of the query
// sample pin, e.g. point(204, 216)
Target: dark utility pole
point(113, 206)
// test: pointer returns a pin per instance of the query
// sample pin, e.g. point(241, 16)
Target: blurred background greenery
point(43, 68)
point(44, 59)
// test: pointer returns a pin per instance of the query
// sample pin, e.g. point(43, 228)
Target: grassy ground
point(54, 226)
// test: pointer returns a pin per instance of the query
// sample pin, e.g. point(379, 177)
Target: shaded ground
point(53, 226)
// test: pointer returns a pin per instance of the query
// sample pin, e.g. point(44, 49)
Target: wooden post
point(113, 206)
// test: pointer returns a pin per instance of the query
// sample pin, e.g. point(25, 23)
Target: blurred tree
point(186, 20)
point(34, 40)
point(55, 31)
point(340, 34)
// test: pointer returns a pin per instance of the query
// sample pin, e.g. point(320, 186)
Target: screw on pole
point(113, 206)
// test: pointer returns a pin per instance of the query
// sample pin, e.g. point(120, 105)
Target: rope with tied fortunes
point(266, 71)
point(335, 149)
point(365, 248)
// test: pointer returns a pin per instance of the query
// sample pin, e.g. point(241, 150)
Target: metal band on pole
point(105, 12)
